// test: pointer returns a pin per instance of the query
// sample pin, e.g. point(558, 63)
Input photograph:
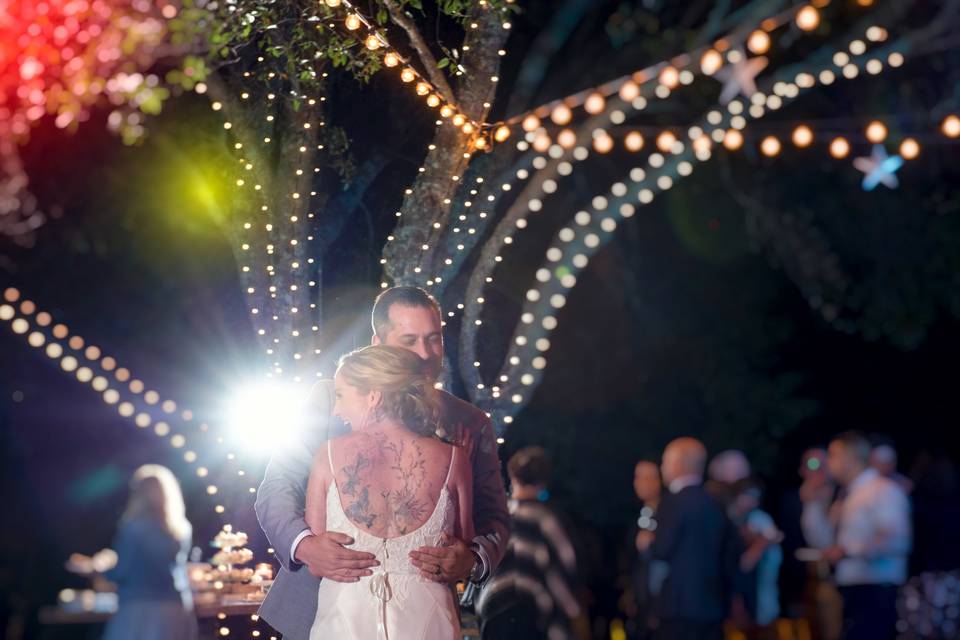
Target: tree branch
point(423, 51)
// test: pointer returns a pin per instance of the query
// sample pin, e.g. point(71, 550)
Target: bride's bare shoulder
point(353, 444)
point(434, 447)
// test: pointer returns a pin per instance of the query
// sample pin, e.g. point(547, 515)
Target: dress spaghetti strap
point(330, 458)
point(453, 454)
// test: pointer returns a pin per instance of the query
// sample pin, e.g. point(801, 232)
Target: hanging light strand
point(574, 244)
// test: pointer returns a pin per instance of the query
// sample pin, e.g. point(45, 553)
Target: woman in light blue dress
point(152, 543)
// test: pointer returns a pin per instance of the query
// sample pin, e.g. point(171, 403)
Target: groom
point(405, 317)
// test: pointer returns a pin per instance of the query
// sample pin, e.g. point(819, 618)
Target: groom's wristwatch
point(478, 571)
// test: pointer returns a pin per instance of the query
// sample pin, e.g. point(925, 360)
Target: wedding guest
point(725, 470)
point(697, 546)
point(883, 458)
point(866, 534)
point(762, 557)
point(639, 600)
point(533, 593)
point(152, 543)
point(806, 588)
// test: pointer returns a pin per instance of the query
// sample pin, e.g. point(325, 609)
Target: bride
point(393, 487)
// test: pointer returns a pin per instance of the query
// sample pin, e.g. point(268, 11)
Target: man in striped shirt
point(532, 594)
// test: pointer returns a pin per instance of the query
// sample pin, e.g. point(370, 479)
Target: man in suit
point(696, 546)
point(405, 317)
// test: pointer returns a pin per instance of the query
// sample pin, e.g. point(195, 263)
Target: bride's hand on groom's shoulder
point(326, 556)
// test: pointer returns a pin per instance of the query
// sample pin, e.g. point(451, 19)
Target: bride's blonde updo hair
point(408, 394)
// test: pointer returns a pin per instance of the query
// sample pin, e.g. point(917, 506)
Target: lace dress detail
point(396, 602)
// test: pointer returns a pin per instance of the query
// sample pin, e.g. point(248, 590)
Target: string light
point(633, 141)
point(594, 104)
point(951, 126)
point(770, 146)
point(808, 18)
point(666, 140)
point(602, 142)
point(670, 77)
point(909, 149)
point(128, 406)
point(876, 132)
point(530, 123)
point(802, 136)
point(711, 61)
point(670, 74)
point(561, 114)
point(733, 139)
point(759, 42)
point(839, 147)
point(559, 256)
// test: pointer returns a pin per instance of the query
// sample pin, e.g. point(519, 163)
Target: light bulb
point(665, 141)
point(802, 136)
point(629, 91)
point(711, 61)
point(530, 123)
point(561, 114)
point(733, 140)
point(909, 149)
point(595, 103)
point(567, 138)
point(759, 42)
point(634, 141)
point(839, 148)
point(951, 126)
point(770, 146)
point(808, 18)
point(670, 77)
point(876, 132)
point(603, 143)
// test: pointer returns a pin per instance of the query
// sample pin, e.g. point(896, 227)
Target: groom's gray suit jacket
point(291, 603)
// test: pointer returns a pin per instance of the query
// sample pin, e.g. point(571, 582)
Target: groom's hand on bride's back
point(450, 562)
point(326, 556)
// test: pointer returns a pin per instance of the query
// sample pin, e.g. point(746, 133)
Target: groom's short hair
point(406, 296)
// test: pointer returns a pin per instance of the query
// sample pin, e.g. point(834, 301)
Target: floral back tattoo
point(383, 485)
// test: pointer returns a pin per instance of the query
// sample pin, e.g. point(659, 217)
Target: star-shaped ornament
point(740, 78)
point(879, 168)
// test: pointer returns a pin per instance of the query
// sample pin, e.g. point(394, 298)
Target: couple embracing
point(374, 526)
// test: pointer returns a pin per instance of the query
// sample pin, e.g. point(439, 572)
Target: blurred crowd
point(857, 551)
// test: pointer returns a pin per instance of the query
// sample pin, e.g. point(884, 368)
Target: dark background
point(686, 324)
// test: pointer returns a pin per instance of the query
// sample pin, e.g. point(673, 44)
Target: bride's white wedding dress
point(395, 603)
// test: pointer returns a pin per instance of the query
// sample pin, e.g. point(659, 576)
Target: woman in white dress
point(392, 486)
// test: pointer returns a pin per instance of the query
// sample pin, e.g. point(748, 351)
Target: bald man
point(696, 547)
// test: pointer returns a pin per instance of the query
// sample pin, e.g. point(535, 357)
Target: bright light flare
point(263, 416)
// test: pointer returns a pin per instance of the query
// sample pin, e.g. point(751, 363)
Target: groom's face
point(416, 329)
